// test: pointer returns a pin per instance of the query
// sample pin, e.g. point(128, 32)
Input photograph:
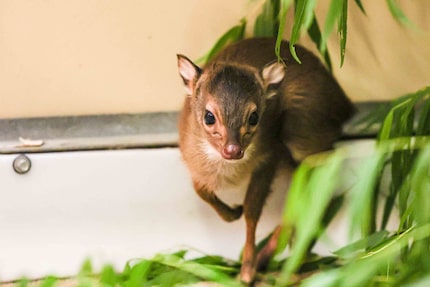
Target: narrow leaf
point(234, 34)
point(333, 14)
point(424, 122)
point(397, 13)
point(314, 33)
point(285, 5)
point(266, 24)
point(49, 281)
point(314, 198)
point(302, 19)
point(362, 194)
point(342, 30)
point(360, 5)
point(196, 269)
point(421, 183)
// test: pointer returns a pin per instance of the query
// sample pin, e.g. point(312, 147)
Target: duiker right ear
point(189, 72)
point(273, 74)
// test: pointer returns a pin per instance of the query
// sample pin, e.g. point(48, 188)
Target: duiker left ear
point(189, 72)
point(273, 74)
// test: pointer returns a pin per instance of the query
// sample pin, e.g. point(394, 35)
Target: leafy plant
point(380, 257)
point(271, 23)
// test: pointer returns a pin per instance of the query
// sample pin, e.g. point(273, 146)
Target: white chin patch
point(210, 151)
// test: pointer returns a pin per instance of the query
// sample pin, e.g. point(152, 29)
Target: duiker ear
point(189, 72)
point(273, 74)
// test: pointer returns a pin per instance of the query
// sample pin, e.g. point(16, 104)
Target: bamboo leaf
point(360, 5)
point(108, 276)
point(420, 180)
point(342, 30)
point(387, 126)
point(23, 282)
point(199, 270)
point(314, 33)
point(362, 194)
point(360, 246)
point(423, 127)
point(302, 19)
point(86, 268)
point(397, 13)
point(49, 281)
point(313, 199)
point(362, 271)
point(234, 34)
point(285, 5)
point(266, 24)
point(333, 14)
point(423, 282)
point(138, 274)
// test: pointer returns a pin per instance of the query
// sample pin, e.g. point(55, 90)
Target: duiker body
point(246, 115)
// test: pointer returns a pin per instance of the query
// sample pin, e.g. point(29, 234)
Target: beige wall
point(67, 57)
point(87, 56)
point(384, 60)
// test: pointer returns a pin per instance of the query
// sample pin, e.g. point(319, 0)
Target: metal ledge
point(89, 132)
point(117, 131)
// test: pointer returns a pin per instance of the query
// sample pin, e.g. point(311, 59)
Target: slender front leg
point(266, 253)
point(226, 212)
point(258, 190)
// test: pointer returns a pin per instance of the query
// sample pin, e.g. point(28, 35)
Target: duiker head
point(228, 101)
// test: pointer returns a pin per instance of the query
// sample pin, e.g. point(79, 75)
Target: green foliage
point(379, 257)
point(272, 18)
point(168, 270)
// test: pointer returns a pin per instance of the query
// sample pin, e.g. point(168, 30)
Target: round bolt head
point(22, 164)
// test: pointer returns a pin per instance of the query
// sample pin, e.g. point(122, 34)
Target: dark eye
point(209, 118)
point(253, 119)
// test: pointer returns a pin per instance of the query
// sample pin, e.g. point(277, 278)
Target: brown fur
point(301, 110)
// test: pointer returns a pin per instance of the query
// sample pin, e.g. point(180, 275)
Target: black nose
point(232, 151)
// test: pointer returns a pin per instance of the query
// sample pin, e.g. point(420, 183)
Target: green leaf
point(387, 126)
point(423, 282)
point(86, 268)
point(314, 33)
point(302, 20)
point(267, 24)
point(202, 271)
point(173, 277)
point(420, 180)
point(360, 5)
point(342, 30)
point(333, 14)
point(234, 34)
point(306, 207)
point(285, 5)
point(423, 127)
point(23, 282)
point(108, 276)
point(334, 206)
point(138, 274)
point(49, 281)
point(362, 271)
point(362, 194)
point(397, 13)
point(360, 246)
